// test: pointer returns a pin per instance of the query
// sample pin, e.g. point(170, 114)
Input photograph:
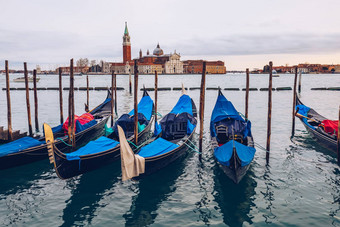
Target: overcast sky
point(246, 33)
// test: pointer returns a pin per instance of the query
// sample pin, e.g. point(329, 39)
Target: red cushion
point(83, 119)
point(330, 126)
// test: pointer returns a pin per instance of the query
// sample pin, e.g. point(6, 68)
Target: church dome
point(158, 51)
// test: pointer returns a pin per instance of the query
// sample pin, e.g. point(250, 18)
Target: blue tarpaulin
point(80, 127)
point(145, 107)
point(158, 129)
point(157, 147)
point(225, 109)
point(99, 145)
point(224, 153)
point(303, 110)
point(183, 105)
point(56, 129)
point(19, 145)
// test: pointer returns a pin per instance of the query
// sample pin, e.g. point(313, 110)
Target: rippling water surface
point(300, 187)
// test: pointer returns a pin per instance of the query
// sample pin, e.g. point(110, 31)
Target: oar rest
point(223, 136)
point(222, 133)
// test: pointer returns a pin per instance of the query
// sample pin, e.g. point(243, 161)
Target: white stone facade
point(174, 65)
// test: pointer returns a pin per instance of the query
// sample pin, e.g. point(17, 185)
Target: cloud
point(252, 44)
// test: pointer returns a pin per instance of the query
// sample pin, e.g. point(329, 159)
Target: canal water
point(300, 187)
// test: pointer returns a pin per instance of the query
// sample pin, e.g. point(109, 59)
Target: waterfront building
point(196, 67)
point(174, 65)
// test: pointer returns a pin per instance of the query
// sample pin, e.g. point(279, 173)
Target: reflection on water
point(86, 193)
point(152, 191)
point(235, 201)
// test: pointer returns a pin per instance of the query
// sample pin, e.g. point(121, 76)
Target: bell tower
point(126, 45)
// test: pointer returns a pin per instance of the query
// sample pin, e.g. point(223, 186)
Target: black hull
point(323, 139)
point(236, 174)
point(153, 164)
point(66, 169)
point(235, 171)
point(38, 153)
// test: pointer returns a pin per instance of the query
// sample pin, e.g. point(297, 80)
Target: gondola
point(30, 149)
point(172, 138)
point(104, 150)
point(232, 141)
point(321, 128)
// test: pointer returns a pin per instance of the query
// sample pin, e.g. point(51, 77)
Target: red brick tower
point(126, 45)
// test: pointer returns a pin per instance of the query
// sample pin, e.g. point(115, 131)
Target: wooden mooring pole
point(202, 99)
point(136, 101)
point(247, 93)
point(156, 93)
point(36, 121)
point(28, 100)
point(130, 84)
point(87, 106)
point(299, 87)
point(338, 139)
point(269, 119)
point(112, 97)
point(71, 108)
point(115, 89)
point(9, 113)
point(294, 102)
point(61, 97)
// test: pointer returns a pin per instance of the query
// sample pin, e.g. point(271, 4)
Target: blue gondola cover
point(19, 145)
point(158, 129)
point(303, 110)
point(99, 145)
point(145, 107)
point(183, 105)
point(225, 109)
point(157, 147)
point(224, 153)
point(80, 127)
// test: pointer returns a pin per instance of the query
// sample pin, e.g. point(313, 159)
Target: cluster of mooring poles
point(71, 113)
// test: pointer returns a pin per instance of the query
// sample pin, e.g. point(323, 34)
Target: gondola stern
point(49, 138)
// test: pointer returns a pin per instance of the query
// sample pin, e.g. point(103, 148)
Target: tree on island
point(82, 62)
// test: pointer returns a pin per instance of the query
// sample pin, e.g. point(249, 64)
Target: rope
point(137, 147)
point(193, 144)
point(192, 148)
point(243, 116)
point(259, 146)
point(64, 142)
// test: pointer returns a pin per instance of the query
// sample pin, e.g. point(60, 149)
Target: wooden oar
point(311, 119)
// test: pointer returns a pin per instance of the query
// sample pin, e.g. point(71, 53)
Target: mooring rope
point(259, 146)
point(192, 147)
point(64, 142)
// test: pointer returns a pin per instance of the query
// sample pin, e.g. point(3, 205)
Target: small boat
point(171, 140)
point(104, 150)
point(30, 149)
point(322, 129)
point(22, 79)
point(231, 137)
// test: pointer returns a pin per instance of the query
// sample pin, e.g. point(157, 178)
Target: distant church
point(148, 64)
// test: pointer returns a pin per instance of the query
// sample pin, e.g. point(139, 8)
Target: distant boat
point(22, 79)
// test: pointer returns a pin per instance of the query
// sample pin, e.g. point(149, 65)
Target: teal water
point(300, 187)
